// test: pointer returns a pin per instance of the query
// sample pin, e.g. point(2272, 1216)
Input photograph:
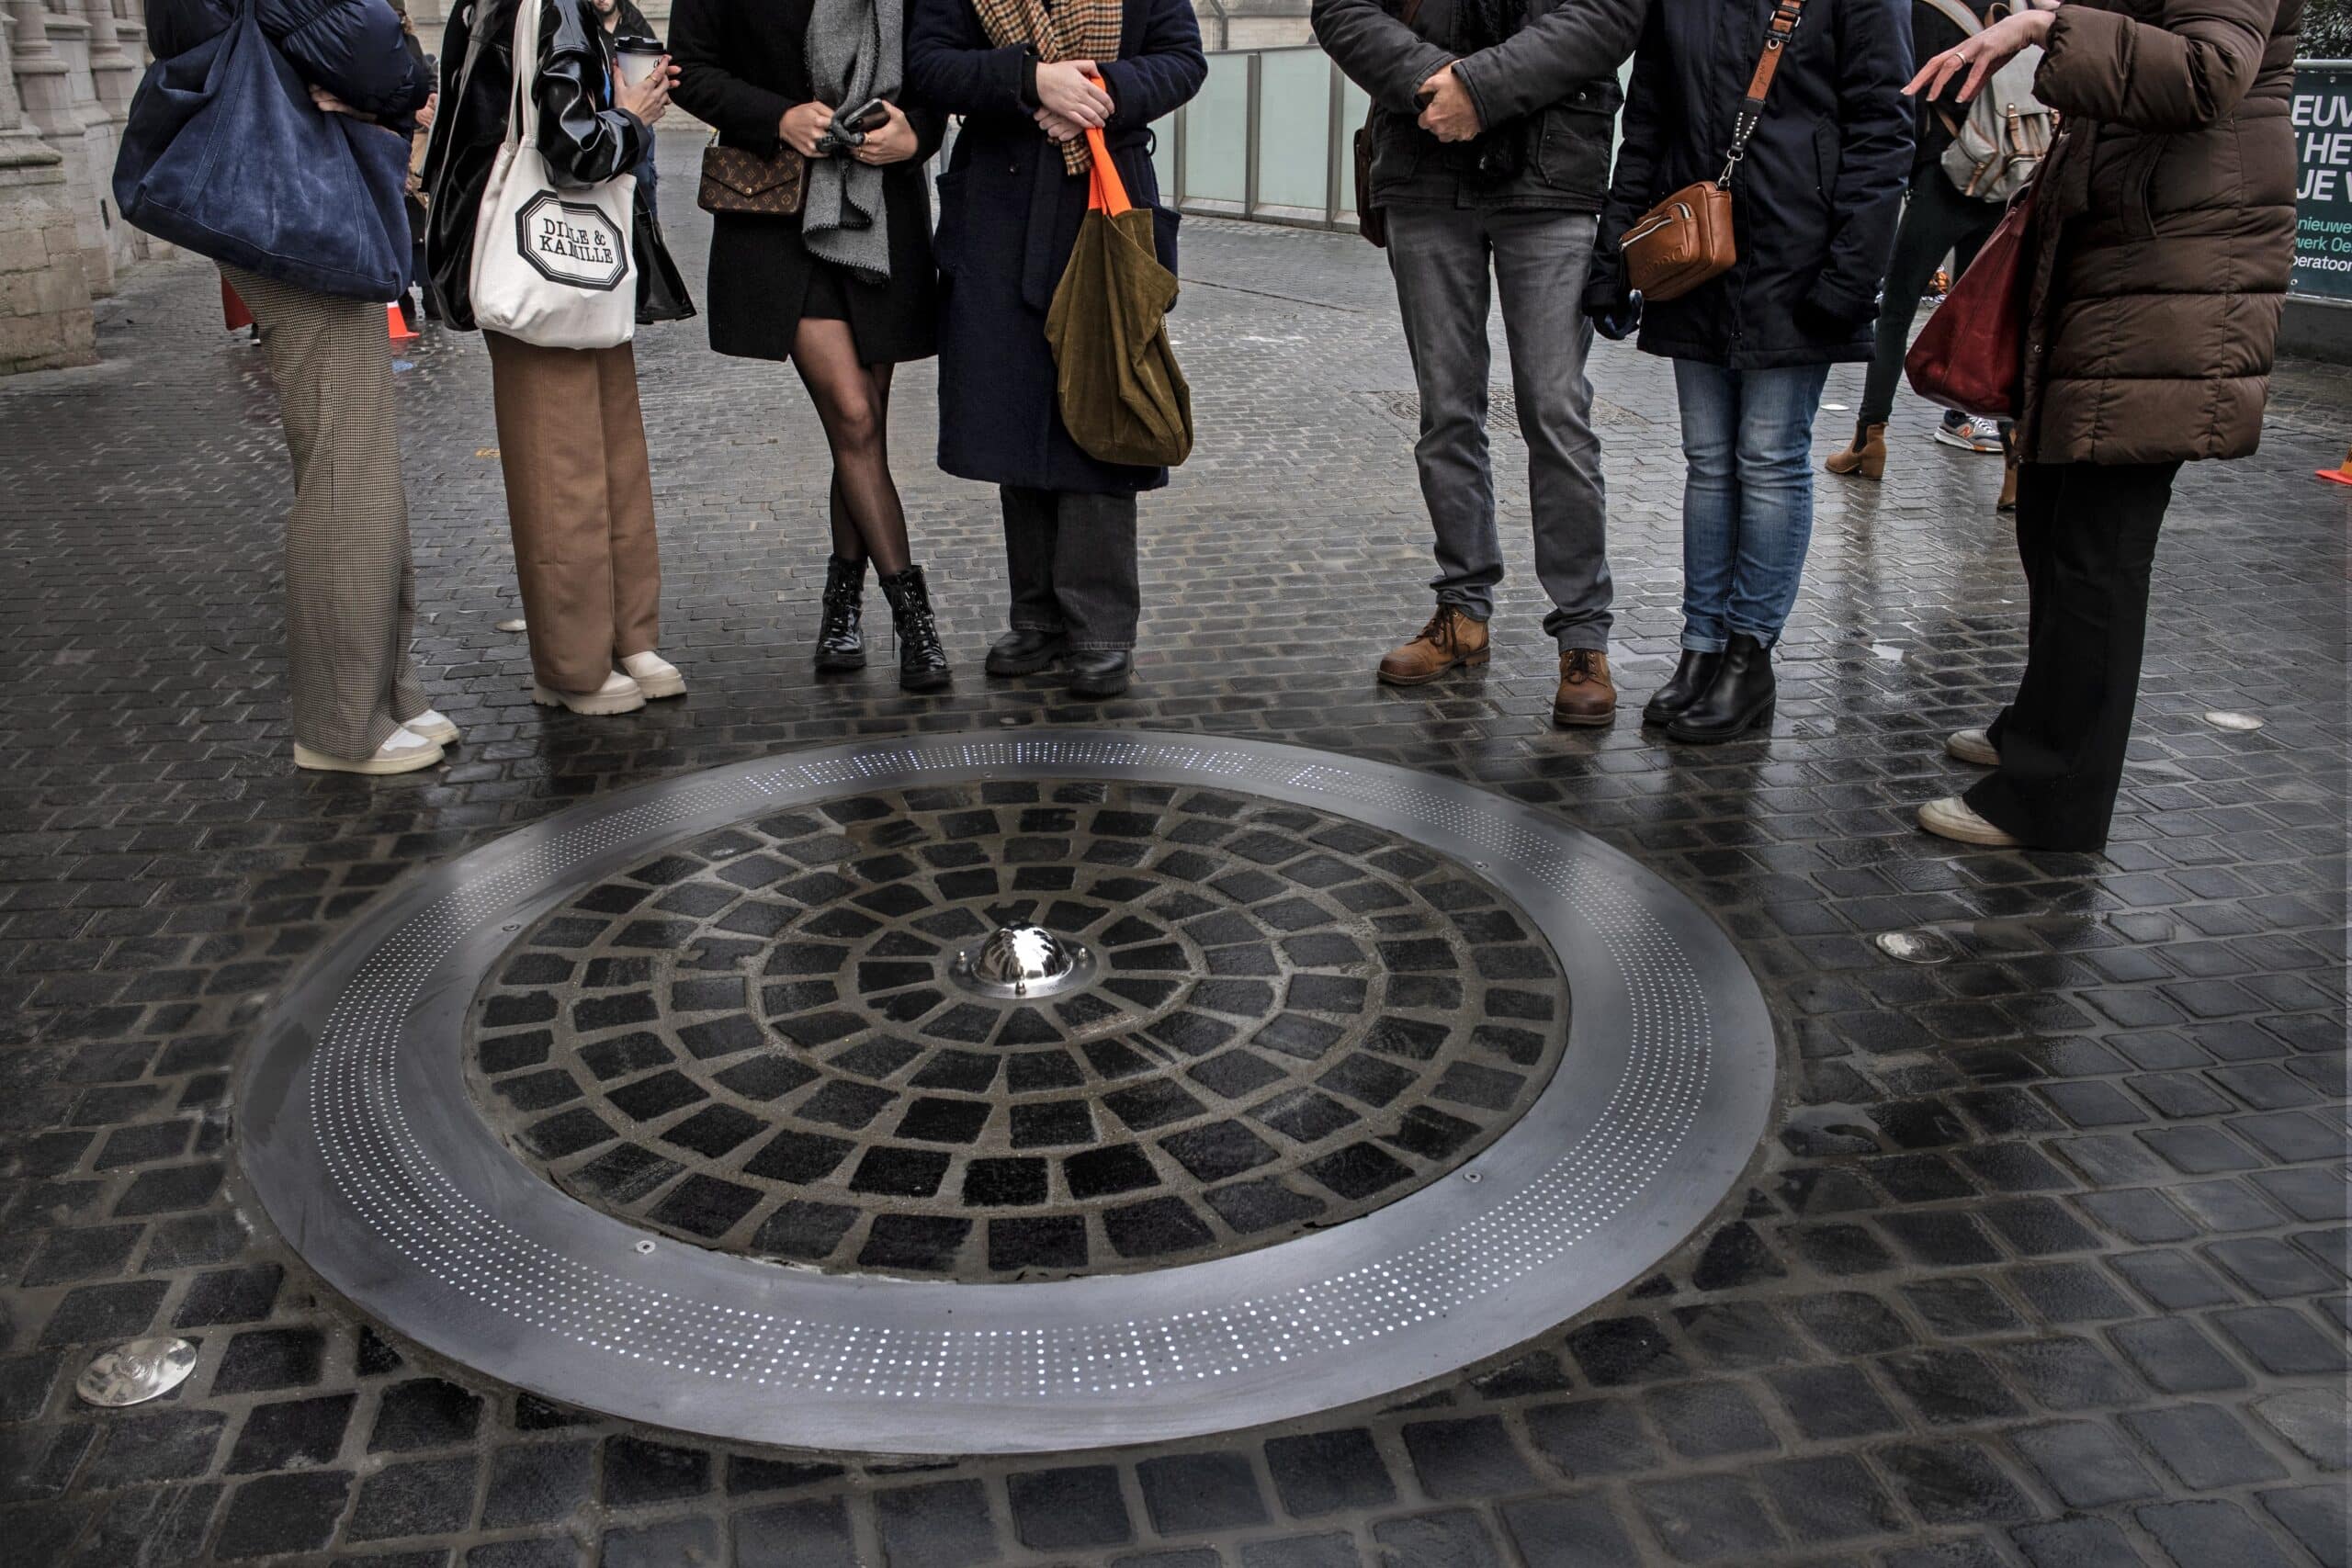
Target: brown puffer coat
point(2165, 230)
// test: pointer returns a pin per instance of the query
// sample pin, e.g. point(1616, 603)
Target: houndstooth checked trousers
point(350, 586)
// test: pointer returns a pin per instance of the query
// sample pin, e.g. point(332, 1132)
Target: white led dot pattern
point(371, 1159)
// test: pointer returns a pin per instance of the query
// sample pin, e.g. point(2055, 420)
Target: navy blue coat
point(352, 48)
point(1008, 220)
point(1814, 204)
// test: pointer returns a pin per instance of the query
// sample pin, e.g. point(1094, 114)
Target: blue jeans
point(1747, 497)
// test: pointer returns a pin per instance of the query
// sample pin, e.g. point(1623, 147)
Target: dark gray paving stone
point(2085, 1464)
point(813, 1534)
point(1076, 1507)
point(1471, 1457)
point(1580, 1530)
point(940, 1525)
point(1191, 1494)
point(533, 1483)
point(1322, 1473)
point(429, 1497)
point(272, 1515)
point(1456, 1539)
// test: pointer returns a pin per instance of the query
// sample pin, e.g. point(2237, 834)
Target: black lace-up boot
point(841, 645)
point(922, 660)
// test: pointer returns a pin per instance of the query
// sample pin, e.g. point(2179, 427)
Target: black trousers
point(1071, 559)
point(1936, 220)
point(2087, 535)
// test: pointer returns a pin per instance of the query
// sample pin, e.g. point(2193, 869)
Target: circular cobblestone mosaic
point(617, 960)
point(751, 1041)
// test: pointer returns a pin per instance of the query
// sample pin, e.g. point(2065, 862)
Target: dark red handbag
point(1971, 355)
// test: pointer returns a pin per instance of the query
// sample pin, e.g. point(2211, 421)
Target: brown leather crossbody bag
point(1371, 222)
point(1687, 239)
point(770, 186)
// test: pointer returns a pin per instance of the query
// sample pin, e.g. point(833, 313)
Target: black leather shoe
point(922, 660)
point(1101, 672)
point(1739, 698)
point(841, 644)
point(1023, 652)
point(1690, 678)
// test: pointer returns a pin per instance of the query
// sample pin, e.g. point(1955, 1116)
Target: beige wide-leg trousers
point(580, 501)
point(350, 586)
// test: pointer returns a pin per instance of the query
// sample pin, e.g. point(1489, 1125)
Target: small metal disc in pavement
point(135, 1372)
point(2220, 719)
point(1915, 947)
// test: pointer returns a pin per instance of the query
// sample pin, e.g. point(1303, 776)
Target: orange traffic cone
point(396, 323)
point(2342, 476)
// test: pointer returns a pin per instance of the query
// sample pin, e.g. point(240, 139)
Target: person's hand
point(1981, 55)
point(327, 103)
point(424, 114)
point(892, 142)
point(1447, 112)
point(1069, 88)
point(1056, 128)
point(802, 125)
point(650, 100)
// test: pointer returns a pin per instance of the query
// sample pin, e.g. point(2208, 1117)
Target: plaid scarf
point(1058, 30)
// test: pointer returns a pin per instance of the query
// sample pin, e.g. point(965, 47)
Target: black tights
point(854, 401)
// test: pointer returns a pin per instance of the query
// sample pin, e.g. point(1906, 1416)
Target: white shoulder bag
point(551, 266)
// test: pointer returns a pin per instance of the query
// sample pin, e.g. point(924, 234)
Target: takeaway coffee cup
point(636, 56)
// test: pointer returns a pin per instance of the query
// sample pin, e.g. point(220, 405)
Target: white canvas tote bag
point(552, 267)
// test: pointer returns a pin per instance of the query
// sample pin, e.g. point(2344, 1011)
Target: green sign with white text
point(2323, 119)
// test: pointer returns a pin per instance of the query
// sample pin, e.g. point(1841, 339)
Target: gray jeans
point(1441, 258)
point(1071, 559)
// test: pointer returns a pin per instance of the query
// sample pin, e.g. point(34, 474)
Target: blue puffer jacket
point(352, 48)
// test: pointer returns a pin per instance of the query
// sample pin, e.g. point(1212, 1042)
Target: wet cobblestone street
point(2043, 1263)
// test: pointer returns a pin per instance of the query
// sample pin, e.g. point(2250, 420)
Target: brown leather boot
point(1866, 456)
point(1587, 698)
point(1451, 641)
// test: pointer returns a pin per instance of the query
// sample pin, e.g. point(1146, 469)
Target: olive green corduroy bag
point(1122, 395)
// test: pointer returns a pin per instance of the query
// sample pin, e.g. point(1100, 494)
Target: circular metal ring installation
point(1024, 960)
point(366, 1148)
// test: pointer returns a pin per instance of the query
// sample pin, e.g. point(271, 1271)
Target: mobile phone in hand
point(849, 129)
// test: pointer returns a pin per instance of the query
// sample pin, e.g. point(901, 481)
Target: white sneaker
point(433, 725)
point(404, 753)
point(654, 675)
point(1971, 434)
point(1952, 818)
point(1972, 746)
point(618, 694)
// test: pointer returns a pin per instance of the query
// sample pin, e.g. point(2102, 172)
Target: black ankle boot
point(1739, 699)
point(841, 645)
point(1690, 678)
point(1023, 651)
point(1100, 672)
point(923, 662)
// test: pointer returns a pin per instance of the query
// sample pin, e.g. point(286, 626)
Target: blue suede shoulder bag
point(224, 154)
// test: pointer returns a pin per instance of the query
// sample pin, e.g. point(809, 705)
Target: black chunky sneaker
point(1023, 651)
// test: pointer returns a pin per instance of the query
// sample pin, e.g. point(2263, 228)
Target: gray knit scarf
point(856, 51)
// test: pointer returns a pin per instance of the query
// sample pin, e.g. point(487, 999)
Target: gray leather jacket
point(1553, 85)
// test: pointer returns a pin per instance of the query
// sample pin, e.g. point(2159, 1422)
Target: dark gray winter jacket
point(1552, 86)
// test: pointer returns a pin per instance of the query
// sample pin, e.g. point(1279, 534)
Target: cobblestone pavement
point(2044, 1265)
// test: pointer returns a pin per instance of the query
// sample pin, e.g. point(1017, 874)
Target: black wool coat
point(1815, 203)
point(1008, 220)
point(742, 64)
